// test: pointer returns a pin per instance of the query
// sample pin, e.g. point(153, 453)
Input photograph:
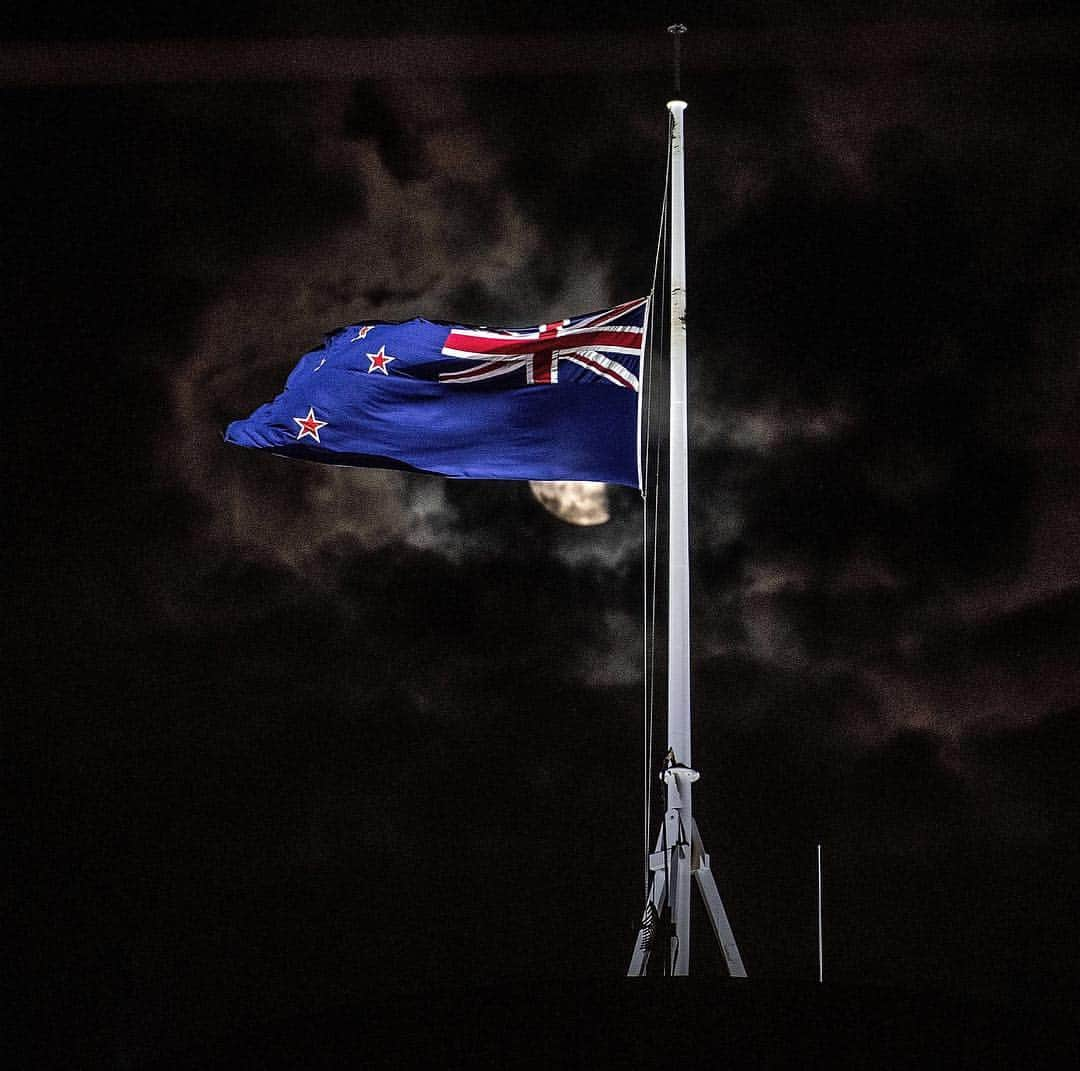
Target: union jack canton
point(592, 342)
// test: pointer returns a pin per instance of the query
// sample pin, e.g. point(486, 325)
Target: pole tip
point(677, 30)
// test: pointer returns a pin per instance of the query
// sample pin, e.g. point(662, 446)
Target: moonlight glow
point(576, 502)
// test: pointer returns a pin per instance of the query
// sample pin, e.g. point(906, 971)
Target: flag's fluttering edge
point(557, 401)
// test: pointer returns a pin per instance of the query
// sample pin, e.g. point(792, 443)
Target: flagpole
point(679, 776)
point(678, 503)
point(680, 853)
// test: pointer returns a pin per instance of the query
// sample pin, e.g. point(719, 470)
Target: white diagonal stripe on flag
point(485, 371)
point(603, 366)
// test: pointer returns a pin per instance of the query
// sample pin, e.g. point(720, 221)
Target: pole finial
point(676, 30)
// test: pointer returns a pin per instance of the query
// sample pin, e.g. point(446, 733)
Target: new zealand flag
point(557, 401)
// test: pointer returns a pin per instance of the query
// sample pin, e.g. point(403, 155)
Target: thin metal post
point(820, 942)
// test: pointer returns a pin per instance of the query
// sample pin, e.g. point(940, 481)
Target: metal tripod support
point(680, 854)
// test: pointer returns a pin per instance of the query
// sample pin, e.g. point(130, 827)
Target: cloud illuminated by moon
point(576, 502)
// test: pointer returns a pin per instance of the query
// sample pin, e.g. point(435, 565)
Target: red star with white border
point(379, 361)
point(309, 425)
point(361, 332)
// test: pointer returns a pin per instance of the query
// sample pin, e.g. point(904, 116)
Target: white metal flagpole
point(678, 776)
point(680, 853)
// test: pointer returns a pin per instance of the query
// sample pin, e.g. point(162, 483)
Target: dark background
point(286, 739)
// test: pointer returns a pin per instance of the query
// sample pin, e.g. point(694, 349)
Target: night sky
point(284, 736)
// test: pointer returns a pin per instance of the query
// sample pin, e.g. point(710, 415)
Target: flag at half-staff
point(556, 401)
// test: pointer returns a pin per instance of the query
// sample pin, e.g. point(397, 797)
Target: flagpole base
point(665, 865)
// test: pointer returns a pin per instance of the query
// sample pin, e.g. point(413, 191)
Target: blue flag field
point(555, 401)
